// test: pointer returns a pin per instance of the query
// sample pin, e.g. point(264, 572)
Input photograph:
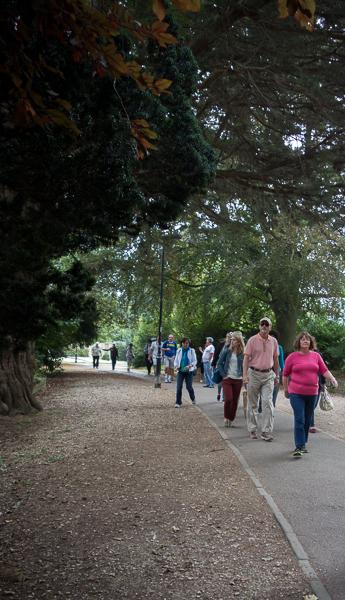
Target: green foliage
point(330, 338)
point(61, 193)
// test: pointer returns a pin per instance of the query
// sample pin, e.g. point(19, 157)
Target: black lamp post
point(159, 337)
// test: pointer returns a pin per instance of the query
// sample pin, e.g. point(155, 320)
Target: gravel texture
point(111, 493)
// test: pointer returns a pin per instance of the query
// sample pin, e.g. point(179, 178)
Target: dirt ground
point(111, 493)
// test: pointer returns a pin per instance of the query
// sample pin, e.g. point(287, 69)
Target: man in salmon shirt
point(260, 372)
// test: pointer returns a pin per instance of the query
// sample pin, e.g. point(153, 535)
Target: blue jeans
point(188, 378)
point(208, 374)
point(303, 408)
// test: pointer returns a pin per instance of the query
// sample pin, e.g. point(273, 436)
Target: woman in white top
point(230, 365)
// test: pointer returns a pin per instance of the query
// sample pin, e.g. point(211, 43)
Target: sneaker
point(312, 429)
point(267, 437)
point(253, 435)
point(297, 453)
point(166, 380)
point(218, 397)
point(206, 386)
point(177, 405)
point(193, 402)
point(226, 423)
point(304, 450)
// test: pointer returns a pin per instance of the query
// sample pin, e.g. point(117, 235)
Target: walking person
point(260, 373)
point(230, 365)
point(280, 370)
point(207, 357)
point(113, 355)
point(221, 345)
point(147, 356)
point(185, 364)
point(129, 357)
point(301, 381)
point(96, 354)
point(169, 349)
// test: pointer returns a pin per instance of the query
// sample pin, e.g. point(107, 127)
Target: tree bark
point(16, 382)
point(286, 320)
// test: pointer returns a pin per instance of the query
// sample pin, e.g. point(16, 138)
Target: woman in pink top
point(301, 381)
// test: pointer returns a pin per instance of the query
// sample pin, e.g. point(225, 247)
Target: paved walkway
point(309, 492)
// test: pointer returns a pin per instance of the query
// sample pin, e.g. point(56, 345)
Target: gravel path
point(111, 493)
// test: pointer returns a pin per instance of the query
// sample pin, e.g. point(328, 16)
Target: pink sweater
point(303, 371)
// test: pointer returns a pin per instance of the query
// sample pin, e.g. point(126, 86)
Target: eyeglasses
point(265, 323)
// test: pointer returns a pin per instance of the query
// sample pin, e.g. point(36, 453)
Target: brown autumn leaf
point(159, 9)
point(303, 11)
point(187, 5)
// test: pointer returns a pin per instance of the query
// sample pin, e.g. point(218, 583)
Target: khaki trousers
point(260, 383)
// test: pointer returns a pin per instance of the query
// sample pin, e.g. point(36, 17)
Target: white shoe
point(166, 380)
point(227, 423)
point(177, 405)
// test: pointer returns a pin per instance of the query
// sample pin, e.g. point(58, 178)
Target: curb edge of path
point(302, 558)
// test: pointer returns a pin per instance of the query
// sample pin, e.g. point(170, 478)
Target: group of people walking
point(257, 366)
point(97, 352)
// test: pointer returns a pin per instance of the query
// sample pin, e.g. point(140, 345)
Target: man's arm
point(285, 386)
point(245, 368)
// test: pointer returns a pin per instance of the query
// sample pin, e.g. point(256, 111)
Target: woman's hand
point(286, 394)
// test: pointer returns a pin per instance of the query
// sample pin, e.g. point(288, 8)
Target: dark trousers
point(95, 360)
point(231, 393)
point(148, 364)
point(113, 363)
point(188, 378)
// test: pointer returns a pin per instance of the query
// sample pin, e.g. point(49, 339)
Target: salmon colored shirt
point(261, 351)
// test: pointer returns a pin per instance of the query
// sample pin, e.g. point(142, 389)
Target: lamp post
point(159, 337)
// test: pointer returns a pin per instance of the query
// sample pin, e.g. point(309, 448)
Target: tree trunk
point(286, 325)
point(16, 382)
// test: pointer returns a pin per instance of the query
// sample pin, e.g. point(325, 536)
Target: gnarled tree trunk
point(16, 381)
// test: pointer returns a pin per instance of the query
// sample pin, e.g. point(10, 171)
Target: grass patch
point(53, 459)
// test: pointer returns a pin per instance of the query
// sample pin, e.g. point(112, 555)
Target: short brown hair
point(307, 335)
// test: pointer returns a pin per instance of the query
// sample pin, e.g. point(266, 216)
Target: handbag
point(217, 377)
point(326, 402)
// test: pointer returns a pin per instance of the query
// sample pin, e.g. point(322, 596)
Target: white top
point(232, 370)
point(209, 350)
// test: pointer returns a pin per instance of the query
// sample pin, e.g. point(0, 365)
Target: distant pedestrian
point(113, 355)
point(185, 364)
point(96, 354)
point(260, 372)
point(230, 365)
point(129, 357)
point(222, 343)
point(153, 352)
point(301, 382)
point(207, 358)
point(147, 356)
point(281, 360)
point(169, 349)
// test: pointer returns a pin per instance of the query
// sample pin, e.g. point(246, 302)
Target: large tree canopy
point(272, 102)
point(62, 191)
